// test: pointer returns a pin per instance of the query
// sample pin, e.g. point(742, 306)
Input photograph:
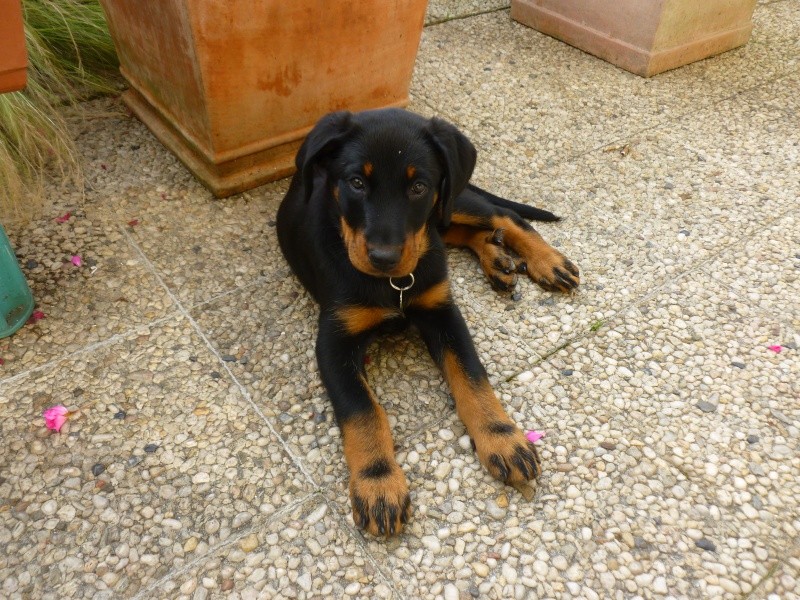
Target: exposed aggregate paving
point(201, 458)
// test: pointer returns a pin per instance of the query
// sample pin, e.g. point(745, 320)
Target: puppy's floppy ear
point(329, 131)
point(457, 155)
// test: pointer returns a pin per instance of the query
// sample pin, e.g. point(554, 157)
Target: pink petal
point(534, 436)
point(63, 218)
point(76, 260)
point(36, 316)
point(55, 417)
point(776, 348)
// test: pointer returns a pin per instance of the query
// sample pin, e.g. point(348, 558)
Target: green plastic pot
point(16, 300)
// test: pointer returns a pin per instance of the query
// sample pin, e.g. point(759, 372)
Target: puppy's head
point(390, 175)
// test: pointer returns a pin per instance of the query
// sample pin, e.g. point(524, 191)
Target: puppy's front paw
point(379, 497)
point(505, 452)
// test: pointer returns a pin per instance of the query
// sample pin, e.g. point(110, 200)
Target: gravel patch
point(110, 505)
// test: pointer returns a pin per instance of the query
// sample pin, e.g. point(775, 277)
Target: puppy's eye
point(419, 188)
point(357, 183)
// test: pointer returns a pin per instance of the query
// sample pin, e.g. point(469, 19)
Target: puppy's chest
point(391, 296)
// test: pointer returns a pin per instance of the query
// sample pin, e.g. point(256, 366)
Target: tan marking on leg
point(476, 402)
point(465, 219)
point(501, 446)
point(357, 319)
point(546, 266)
point(499, 267)
point(524, 242)
point(381, 504)
point(367, 438)
point(461, 236)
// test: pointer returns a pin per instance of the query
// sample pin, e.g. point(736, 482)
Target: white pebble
point(509, 573)
point(451, 592)
point(574, 573)
point(201, 478)
point(304, 581)
point(660, 585)
point(66, 512)
point(604, 483)
point(446, 434)
point(50, 507)
point(540, 568)
point(442, 471)
point(608, 580)
point(431, 542)
point(749, 511)
point(317, 515)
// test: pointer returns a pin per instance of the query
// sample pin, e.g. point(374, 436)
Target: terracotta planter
point(13, 56)
point(642, 36)
point(232, 87)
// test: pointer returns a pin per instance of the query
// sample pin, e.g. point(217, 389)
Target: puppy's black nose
point(384, 258)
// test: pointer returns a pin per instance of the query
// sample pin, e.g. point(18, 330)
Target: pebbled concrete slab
point(202, 460)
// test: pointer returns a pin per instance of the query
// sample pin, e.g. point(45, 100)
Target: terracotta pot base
point(232, 173)
point(233, 87)
point(221, 178)
point(645, 38)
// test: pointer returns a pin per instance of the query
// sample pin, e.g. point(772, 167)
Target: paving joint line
point(245, 394)
point(109, 341)
point(664, 124)
point(260, 280)
point(488, 11)
point(360, 541)
point(616, 316)
point(267, 520)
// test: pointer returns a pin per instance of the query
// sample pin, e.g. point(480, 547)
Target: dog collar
point(402, 289)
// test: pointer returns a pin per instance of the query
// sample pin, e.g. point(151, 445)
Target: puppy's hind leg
point(545, 265)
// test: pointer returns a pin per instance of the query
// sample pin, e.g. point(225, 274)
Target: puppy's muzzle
point(384, 258)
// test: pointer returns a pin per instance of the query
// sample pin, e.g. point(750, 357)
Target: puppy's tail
point(530, 213)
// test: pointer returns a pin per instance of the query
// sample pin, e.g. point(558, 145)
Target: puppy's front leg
point(501, 446)
point(378, 489)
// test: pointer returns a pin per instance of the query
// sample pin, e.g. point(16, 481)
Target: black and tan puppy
point(364, 225)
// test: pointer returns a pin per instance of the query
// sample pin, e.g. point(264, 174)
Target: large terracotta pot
point(642, 36)
point(233, 86)
point(13, 56)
